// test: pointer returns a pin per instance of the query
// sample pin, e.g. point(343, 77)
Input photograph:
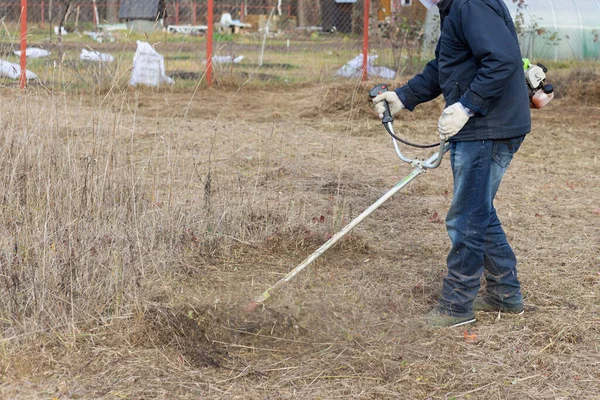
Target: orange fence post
point(94, 13)
point(209, 40)
point(23, 78)
point(365, 48)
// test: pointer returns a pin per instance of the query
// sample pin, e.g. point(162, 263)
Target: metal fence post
point(23, 77)
point(365, 49)
point(209, 39)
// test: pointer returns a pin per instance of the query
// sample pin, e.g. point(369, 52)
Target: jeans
point(479, 245)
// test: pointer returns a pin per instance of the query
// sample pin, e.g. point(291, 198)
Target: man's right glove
point(393, 101)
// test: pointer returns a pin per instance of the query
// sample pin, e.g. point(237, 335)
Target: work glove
point(393, 101)
point(453, 119)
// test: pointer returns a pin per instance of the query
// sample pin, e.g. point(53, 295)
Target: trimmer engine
point(535, 75)
point(540, 92)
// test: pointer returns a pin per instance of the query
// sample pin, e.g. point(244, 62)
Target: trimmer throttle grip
point(377, 90)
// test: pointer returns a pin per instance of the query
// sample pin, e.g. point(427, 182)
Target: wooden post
point(23, 77)
point(194, 13)
point(177, 13)
point(303, 13)
point(365, 49)
point(42, 14)
point(77, 19)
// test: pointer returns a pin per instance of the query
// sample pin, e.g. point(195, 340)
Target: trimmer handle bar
point(387, 122)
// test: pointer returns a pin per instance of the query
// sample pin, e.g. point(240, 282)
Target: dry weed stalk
point(93, 218)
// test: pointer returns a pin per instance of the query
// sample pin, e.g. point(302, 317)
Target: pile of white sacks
point(148, 64)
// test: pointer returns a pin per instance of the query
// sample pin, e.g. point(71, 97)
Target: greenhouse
point(548, 29)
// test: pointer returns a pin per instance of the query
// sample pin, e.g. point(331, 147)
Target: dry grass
point(580, 85)
point(138, 224)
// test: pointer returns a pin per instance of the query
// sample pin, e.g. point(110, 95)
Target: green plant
point(222, 37)
point(529, 30)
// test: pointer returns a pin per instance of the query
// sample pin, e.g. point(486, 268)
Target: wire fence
point(269, 41)
point(274, 42)
point(176, 13)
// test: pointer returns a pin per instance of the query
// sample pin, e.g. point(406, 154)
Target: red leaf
point(538, 215)
point(570, 185)
point(435, 218)
point(597, 211)
point(318, 220)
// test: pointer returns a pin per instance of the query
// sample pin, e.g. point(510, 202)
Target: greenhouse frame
point(548, 29)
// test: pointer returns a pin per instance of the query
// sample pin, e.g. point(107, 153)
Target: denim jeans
point(479, 245)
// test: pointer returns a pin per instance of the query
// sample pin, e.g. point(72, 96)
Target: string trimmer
point(540, 94)
point(420, 167)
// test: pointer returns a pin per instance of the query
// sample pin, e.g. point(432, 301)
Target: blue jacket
point(477, 62)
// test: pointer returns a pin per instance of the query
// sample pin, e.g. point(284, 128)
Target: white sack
point(226, 59)
point(353, 69)
point(87, 55)
point(148, 67)
point(63, 31)
point(33, 52)
point(13, 71)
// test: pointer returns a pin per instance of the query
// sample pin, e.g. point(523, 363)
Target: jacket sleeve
point(423, 87)
point(486, 32)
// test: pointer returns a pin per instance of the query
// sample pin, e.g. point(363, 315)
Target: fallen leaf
point(435, 218)
point(570, 185)
point(470, 337)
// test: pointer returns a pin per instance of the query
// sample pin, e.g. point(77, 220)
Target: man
point(478, 69)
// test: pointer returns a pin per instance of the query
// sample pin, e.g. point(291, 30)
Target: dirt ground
point(303, 162)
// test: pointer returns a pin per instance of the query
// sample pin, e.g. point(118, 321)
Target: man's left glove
point(453, 119)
